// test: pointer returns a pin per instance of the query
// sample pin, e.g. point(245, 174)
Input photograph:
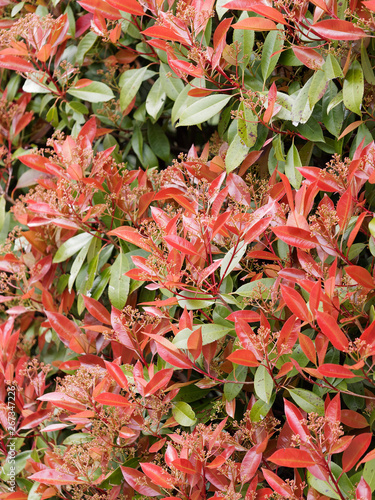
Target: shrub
point(187, 307)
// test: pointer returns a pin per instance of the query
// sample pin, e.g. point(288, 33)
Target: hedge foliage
point(187, 249)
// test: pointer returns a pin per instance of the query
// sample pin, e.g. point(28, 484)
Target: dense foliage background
point(187, 249)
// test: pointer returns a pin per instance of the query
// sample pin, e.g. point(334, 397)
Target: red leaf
point(158, 475)
point(170, 353)
point(181, 245)
point(185, 67)
point(159, 381)
point(369, 4)
point(353, 419)
point(110, 399)
point(62, 400)
point(55, 477)
point(34, 419)
point(363, 491)
point(296, 237)
point(332, 370)
point(100, 7)
point(309, 57)
point(325, 182)
point(361, 276)
point(356, 229)
point(243, 357)
point(308, 347)
point(129, 6)
point(194, 343)
point(355, 450)
point(165, 34)
point(277, 483)
point(295, 303)
point(36, 162)
point(250, 464)
point(257, 229)
point(268, 12)
point(255, 24)
point(65, 329)
point(296, 421)
point(117, 374)
point(335, 29)
point(97, 310)
point(139, 482)
point(331, 330)
point(248, 316)
point(292, 457)
point(344, 208)
point(219, 40)
point(184, 465)
point(127, 233)
point(15, 63)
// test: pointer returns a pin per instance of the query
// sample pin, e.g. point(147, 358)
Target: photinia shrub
point(187, 224)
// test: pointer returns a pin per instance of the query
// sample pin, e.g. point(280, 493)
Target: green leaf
point(118, 288)
point(263, 384)
point(354, 88)
point(76, 106)
point(77, 264)
point(311, 130)
point(270, 53)
point(72, 246)
point(292, 162)
point(332, 68)
point(172, 85)
point(137, 143)
point(184, 414)
point(308, 401)
point(318, 87)
point(369, 474)
point(339, 97)
point(2, 212)
point(158, 141)
point(321, 486)
point(245, 41)
point(236, 153)
point(95, 92)
point(366, 65)
point(238, 374)
point(130, 84)
point(210, 333)
point(204, 109)
point(334, 119)
point(155, 99)
point(232, 259)
point(183, 99)
point(259, 410)
point(371, 227)
point(193, 301)
point(254, 288)
point(301, 110)
point(247, 125)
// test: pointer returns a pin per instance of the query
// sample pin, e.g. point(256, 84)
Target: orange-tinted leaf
point(97, 310)
point(295, 303)
point(158, 475)
point(249, 316)
point(100, 7)
point(184, 465)
point(308, 347)
point(117, 374)
point(181, 245)
point(255, 24)
point(139, 482)
point(34, 161)
point(344, 208)
point(353, 419)
point(195, 342)
point(292, 457)
point(159, 381)
point(15, 63)
point(56, 477)
point(355, 450)
point(309, 57)
point(296, 237)
point(350, 128)
point(110, 399)
point(243, 357)
point(165, 34)
point(268, 12)
point(325, 182)
point(127, 233)
point(336, 29)
point(250, 464)
point(332, 370)
point(129, 6)
point(277, 483)
point(170, 353)
point(331, 330)
point(361, 276)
